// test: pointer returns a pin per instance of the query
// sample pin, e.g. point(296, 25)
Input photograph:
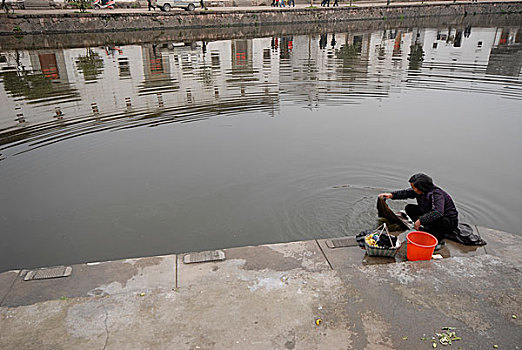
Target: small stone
point(514, 317)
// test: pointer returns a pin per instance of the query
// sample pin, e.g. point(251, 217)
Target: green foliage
point(349, 54)
point(91, 65)
point(80, 4)
point(416, 56)
point(33, 86)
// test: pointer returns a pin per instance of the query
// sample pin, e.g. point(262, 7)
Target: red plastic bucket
point(420, 245)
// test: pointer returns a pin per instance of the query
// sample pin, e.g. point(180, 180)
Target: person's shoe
point(440, 245)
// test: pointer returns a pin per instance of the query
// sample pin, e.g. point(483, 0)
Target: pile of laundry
point(375, 239)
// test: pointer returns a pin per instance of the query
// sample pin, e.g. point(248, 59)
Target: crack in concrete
point(321, 249)
point(106, 329)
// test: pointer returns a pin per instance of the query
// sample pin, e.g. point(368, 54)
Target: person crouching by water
point(435, 210)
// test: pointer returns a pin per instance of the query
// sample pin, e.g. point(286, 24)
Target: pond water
point(167, 146)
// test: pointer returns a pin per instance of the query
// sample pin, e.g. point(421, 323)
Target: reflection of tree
point(349, 54)
point(416, 56)
point(206, 76)
point(91, 65)
point(34, 86)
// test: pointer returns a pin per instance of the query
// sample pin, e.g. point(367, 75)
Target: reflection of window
point(397, 45)
point(287, 45)
point(123, 64)
point(156, 65)
point(48, 65)
point(442, 36)
point(458, 39)
point(215, 59)
point(357, 42)
point(241, 52)
point(504, 38)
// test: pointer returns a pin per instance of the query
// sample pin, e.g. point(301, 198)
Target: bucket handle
point(385, 229)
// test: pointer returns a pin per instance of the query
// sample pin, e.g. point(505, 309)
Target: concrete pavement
point(301, 295)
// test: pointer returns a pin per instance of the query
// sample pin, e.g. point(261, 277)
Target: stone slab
point(344, 257)
point(384, 306)
point(273, 258)
point(503, 244)
point(97, 279)
point(6, 281)
point(48, 272)
point(282, 296)
point(205, 256)
point(477, 295)
point(342, 242)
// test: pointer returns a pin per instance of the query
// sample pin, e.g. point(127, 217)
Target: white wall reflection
point(305, 69)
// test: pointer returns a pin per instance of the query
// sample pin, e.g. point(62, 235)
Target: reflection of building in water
point(231, 75)
point(454, 56)
point(156, 71)
point(388, 52)
point(453, 45)
point(103, 84)
point(32, 80)
point(451, 48)
point(51, 64)
point(506, 56)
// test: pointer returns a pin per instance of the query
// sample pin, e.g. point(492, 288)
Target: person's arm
point(403, 194)
point(437, 209)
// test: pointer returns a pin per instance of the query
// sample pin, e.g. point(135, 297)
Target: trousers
point(438, 228)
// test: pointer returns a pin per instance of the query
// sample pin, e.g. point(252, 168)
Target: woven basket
point(378, 251)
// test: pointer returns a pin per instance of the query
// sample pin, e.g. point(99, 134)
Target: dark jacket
point(433, 204)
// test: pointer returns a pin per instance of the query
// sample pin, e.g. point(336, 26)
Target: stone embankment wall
point(70, 40)
point(103, 22)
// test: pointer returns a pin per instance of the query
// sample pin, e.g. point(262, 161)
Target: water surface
point(171, 146)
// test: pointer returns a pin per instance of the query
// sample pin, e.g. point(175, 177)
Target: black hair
point(422, 181)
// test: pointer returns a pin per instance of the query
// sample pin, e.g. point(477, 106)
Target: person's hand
point(417, 224)
point(385, 195)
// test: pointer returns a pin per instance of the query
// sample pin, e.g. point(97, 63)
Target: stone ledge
point(20, 24)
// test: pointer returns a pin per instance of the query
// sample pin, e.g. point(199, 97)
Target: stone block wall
point(107, 22)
